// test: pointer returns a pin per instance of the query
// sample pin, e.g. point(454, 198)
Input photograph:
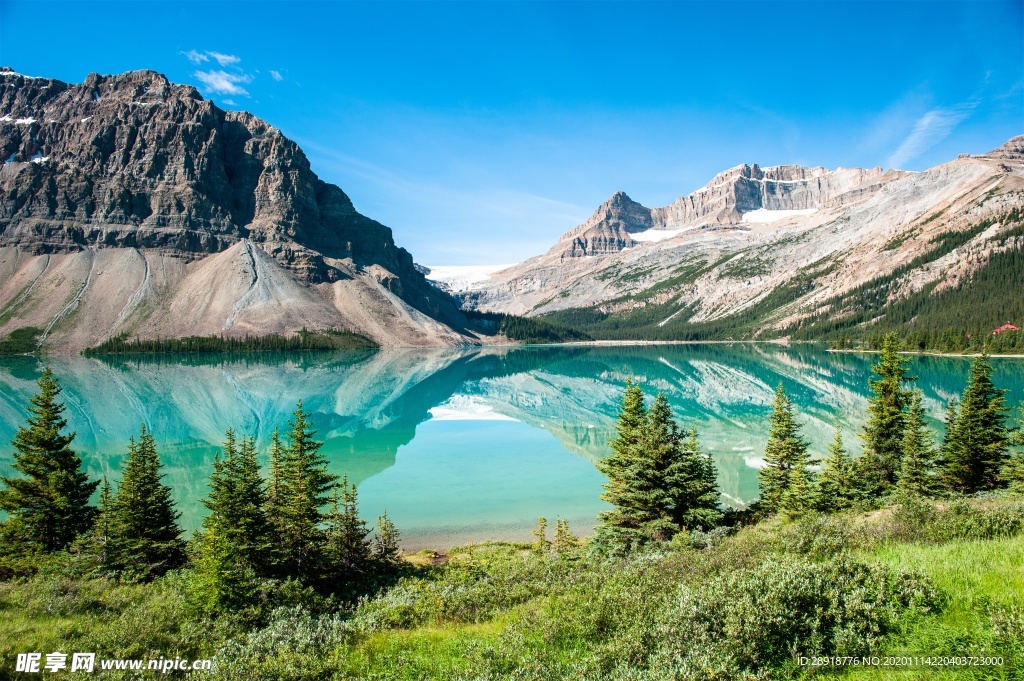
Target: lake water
point(463, 445)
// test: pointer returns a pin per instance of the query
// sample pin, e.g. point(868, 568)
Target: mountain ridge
point(135, 163)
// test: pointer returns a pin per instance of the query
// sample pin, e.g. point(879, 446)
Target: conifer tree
point(883, 432)
point(565, 540)
point(836, 489)
point(386, 548)
point(916, 476)
point(692, 486)
point(798, 497)
point(232, 549)
point(102, 547)
point(308, 486)
point(277, 496)
point(785, 452)
point(623, 526)
point(48, 507)
point(541, 543)
point(976, 447)
point(146, 521)
point(347, 550)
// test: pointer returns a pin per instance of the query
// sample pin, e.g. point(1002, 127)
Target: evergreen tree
point(798, 497)
point(564, 539)
point(785, 452)
point(977, 445)
point(541, 543)
point(48, 507)
point(146, 521)
point(102, 546)
point(232, 550)
point(386, 547)
point(883, 433)
point(278, 494)
point(623, 526)
point(308, 486)
point(347, 551)
point(692, 485)
point(836, 489)
point(916, 472)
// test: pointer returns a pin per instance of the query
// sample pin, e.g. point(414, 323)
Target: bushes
point(764, 617)
point(918, 520)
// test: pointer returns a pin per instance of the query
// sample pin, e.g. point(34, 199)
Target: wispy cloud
point(930, 129)
point(276, 75)
point(195, 57)
point(229, 102)
point(224, 83)
point(224, 59)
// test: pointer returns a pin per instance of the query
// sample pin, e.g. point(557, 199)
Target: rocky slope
point(775, 243)
point(129, 204)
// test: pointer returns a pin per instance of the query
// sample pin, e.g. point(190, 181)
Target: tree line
point(304, 339)
point(263, 531)
point(661, 484)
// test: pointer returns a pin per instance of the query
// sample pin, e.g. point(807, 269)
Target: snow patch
point(658, 234)
point(461, 277)
point(87, 118)
point(763, 215)
point(466, 408)
point(39, 158)
point(25, 121)
point(6, 119)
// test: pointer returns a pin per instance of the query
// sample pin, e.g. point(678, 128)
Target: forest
point(909, 552)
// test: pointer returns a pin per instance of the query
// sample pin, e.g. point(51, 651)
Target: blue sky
point(480, 132)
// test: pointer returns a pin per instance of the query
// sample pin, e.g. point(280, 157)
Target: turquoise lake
point(470, 444)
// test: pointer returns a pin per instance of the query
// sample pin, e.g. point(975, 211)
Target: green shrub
point(765, 617)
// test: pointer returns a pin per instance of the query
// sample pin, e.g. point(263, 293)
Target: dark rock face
point(136, 161)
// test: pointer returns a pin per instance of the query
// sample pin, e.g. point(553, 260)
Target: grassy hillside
point(924, 579)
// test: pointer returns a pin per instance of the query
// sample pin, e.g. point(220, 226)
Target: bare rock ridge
point(135, 163)
point(751, 232)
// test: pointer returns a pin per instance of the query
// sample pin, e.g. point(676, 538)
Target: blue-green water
point(463, 445)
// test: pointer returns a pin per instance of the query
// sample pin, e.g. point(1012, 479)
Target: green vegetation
point(21, 341)
point(320, 339)
point(529, 330)
point(286, 581)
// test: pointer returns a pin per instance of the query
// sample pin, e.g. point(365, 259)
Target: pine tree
point(798, 497)
point(977, 446)
point(883, 433)
point(386, 548)
point(146, 521)
point(278, 494)
point(347, 551)
point(836, 490)
point(49, 506)
point(623, 527)
point(565, 540)
point(916, 476)
point(233, 548)
point(692, 486)
point(102, 547)
point(308, 485)
point(785, 452)
point(541, 543)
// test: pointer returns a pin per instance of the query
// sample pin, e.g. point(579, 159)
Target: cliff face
point(135, 162)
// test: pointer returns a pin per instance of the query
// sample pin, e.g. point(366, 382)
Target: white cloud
point(930, 129)
point(276, 75)
point(224, 59)
point(195, 57)
point(224, 83)
point(229, 102)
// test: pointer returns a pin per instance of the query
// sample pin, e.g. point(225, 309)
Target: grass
point(923, 580)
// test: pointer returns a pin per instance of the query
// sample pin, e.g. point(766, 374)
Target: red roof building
point(1005, 327)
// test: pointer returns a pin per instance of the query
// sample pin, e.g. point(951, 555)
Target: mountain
point(131, 205)
point(785, 251)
